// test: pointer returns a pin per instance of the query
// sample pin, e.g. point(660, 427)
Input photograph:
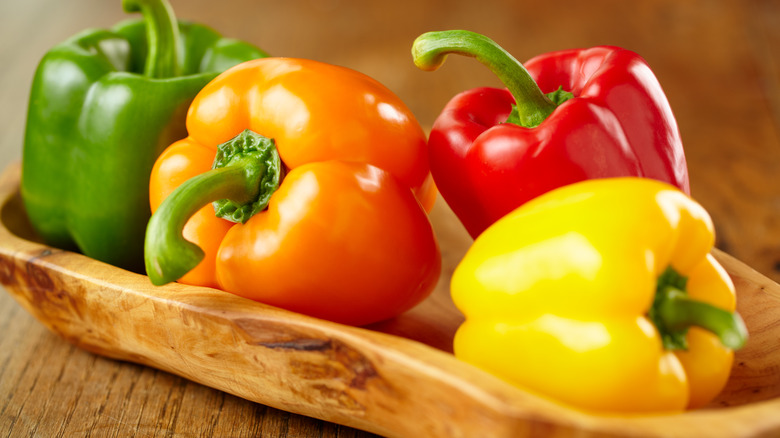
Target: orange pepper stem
point(673, 312)
point(246, 172)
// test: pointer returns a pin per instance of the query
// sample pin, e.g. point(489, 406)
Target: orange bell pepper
point(328, 178)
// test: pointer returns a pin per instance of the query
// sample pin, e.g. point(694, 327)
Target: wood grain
point(716, 59)
point(369, 378)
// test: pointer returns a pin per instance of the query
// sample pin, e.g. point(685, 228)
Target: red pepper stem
point(431, 49)
point(246, 172)
point(162, 34)
point(678, 311)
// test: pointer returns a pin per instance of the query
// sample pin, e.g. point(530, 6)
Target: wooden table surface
point(718, 62)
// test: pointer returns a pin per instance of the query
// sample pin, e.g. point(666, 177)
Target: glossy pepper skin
point(616, 121)
point(602, 295)
point(103, 105)
point(329, 218)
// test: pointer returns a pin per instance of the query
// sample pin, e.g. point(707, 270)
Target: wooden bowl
point(397, 378)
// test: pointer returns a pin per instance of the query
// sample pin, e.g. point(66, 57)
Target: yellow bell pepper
point(603, 295)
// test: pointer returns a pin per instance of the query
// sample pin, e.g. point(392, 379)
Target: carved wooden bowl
point(396, 378)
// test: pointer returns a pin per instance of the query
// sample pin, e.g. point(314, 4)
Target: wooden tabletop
point(718, 62)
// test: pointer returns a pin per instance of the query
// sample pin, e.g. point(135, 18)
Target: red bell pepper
point(572, 115)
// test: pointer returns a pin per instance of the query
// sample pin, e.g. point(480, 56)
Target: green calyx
point(557, 97)
point(258, 157)
point(162, 32)
point(247, 170)
point(531, 107)
point(673, 312)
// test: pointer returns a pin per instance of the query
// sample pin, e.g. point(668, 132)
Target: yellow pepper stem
point(674, 311)
point(679, 312)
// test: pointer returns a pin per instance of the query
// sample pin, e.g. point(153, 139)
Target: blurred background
point(717, 60)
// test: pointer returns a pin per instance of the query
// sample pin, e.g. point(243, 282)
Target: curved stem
point(162, 34)
point(431, 49)
point(247, 170)
point(677, 311)
point(168, 255)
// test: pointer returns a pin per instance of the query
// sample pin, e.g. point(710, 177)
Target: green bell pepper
point(103, 106)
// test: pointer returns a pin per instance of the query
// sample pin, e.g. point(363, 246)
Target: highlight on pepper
point(320, 187)
point(564, 117)
point(602, 295)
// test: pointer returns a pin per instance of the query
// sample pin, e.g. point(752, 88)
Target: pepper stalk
point(532, 106)
point(673, 312)
point(162, 34)
point(247, 170)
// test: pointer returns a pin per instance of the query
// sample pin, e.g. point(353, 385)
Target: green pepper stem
point(431, 49)
point(677, 311)
point(246, 171)
point(162, 34)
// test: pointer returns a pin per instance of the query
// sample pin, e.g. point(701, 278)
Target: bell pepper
point(320, 187)
point(103, 105)
point(565, 116)
point(603, 295)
